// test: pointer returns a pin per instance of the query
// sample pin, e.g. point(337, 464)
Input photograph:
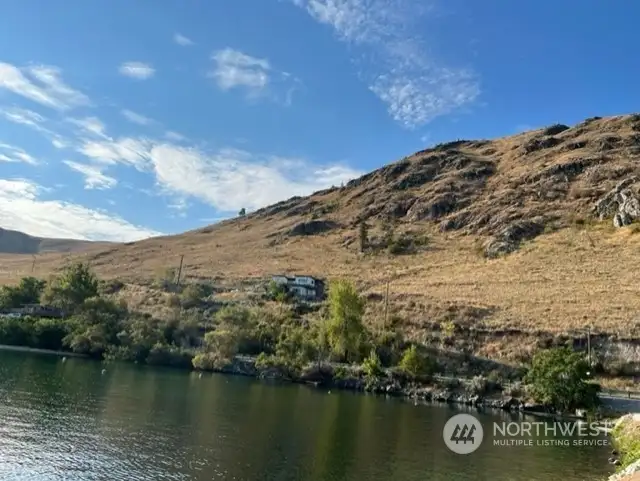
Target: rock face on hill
point(14, 242)
point(506, 190)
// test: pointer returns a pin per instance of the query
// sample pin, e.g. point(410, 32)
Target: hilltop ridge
point(15, 242)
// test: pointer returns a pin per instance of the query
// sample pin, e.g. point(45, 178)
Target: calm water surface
point(67, 421)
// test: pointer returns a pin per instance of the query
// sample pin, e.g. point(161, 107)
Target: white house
point(303, 287)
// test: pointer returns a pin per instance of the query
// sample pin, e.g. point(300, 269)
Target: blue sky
point(122, 119)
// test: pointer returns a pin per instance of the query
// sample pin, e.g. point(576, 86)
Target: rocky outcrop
point(312, 227)
point(509, 239)
point(622, 203)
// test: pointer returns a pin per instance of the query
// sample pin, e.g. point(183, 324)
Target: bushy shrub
point(109, 287)
point(68, 291)
point(50, 333)
point(558, 377)
point(193, 295)
point(209, 361)
point(372, 366)
point(28, 291)
point(388, 345)
point(16, 331)
point(415, 364)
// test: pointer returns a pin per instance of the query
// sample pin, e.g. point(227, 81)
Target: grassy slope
point(562, 281)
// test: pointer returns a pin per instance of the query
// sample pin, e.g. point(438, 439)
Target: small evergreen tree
point(242, 212)
point(364, 236)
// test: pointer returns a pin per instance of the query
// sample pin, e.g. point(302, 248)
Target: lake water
point(68, 421)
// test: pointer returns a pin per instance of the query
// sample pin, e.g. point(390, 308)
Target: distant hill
point(15, 242)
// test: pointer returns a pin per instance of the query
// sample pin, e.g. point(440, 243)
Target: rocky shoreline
point(395, 385)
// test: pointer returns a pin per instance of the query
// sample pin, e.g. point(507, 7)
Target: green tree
point(412, 363)
point(242, 212)
point(363, 236)
point(558, 377)
point(344, 327)
point(76, 284)
point(28, 291)
point(95, 326)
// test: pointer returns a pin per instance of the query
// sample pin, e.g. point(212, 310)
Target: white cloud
point(137, 70)
point(93, 176)
point(92, 125)
point(227, 179)
point(415, 88)
point(22, 208)
point(133, 152)
point(24, 117)
point(42, 84)
point(136, 118)
point(10, 153)
point(182, 40)
point(236, 69)
point(59, 143)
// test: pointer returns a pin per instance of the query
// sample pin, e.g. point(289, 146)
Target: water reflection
point(68, 421)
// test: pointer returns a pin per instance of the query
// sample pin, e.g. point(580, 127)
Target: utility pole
point(386, 305)
point(180, 270)
point(589, 345)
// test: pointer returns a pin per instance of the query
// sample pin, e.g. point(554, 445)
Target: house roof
point(296, 276)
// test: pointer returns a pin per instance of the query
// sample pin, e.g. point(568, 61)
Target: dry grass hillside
point(513, 236)
point(14, 242)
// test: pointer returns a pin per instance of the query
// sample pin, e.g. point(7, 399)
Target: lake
point(69, 421)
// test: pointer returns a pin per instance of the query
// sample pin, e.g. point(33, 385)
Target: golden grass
point(556, 283)
point(563, 281)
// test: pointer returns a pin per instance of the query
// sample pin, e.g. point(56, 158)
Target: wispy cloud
point(92, 125)
point(136, 118)
point(11, 153)
point(23, 116)
point(22, 208)
point(398, 69)
point(137, 70)
point(236, 69)
point(42, 84)
point(28, 118)
point(130, 151)
point(182, 40)
point(94, 178)
point(227, 179)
